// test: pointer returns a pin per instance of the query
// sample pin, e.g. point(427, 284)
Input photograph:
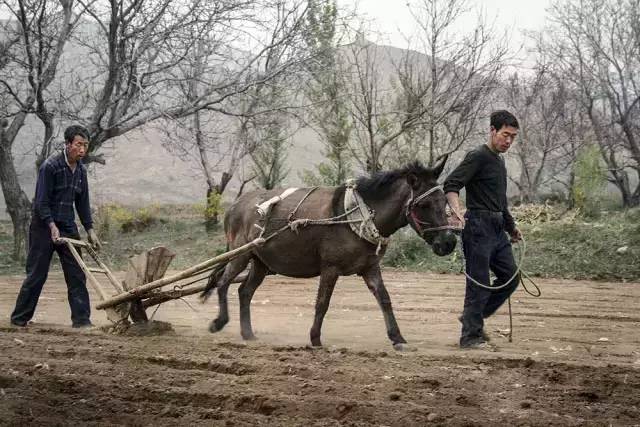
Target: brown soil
point(574, 360)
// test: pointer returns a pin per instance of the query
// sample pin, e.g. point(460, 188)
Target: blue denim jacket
point(57, 191)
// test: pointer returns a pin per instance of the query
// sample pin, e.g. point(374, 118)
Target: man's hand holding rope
point(516, 235)
point(457, 218)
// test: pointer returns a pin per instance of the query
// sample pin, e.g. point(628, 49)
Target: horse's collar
point(361, 216)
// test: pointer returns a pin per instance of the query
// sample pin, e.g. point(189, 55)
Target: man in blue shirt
point(62, 184)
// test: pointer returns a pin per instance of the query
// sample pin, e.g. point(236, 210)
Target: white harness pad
point(361, 217)
point(265, 207)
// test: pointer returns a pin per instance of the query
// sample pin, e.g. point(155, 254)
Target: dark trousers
point(41, 249)
point(486, 248)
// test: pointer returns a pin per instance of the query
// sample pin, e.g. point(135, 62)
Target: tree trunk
point(211, 219)
point(571, 200)
point(47, 142)
point(621, 180)
point(212, 212)
point(18, 204)
point(634, 199)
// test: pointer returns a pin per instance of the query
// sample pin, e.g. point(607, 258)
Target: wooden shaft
point(165, 296)
point(169, 295)
point(73, 242)
point(112, 279)
point(92, 279)
point(140, 290)
point(112, 314)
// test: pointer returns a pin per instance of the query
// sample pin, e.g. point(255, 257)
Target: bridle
point(412, 217)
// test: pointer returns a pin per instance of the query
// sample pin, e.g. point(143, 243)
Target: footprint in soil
point(172, 412)
point(463, 400)
point(589, 396)
point(555, 376)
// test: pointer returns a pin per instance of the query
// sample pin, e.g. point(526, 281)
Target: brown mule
point(410, 195)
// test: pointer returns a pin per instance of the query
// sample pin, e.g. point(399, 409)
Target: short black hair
point(72, 131)
point(502, 118)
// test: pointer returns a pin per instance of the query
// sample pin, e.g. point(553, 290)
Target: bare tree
point(374, 122)
point(327, 113)
point(254, 112)
point(541, 103)
point(446, 77)
point(127, 65)
point(596, 45)
point(36, 35)
point(269, 158)
point(148, 41)
point(204, 137)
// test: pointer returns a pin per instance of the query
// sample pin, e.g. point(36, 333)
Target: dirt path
point(575, 360)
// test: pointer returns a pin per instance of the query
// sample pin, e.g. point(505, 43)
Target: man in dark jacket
point(485, 244)
point(62, 183)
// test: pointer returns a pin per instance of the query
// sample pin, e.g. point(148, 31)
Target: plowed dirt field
point(574, 360)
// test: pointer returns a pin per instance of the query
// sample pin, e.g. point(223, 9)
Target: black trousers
point(41, 249)
point(486, 248)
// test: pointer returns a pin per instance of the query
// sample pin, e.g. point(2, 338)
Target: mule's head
point(426, 209)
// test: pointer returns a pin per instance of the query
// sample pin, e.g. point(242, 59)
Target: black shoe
point(82, 325)
point(483, 334)
point(18, 323)
point(478, 344)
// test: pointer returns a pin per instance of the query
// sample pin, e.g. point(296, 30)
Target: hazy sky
point(391, 17)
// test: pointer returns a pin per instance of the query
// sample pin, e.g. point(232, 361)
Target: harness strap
point(362, 217)
point(413, 217)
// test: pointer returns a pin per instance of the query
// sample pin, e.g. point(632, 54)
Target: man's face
point(502, 139)
point(77, 148)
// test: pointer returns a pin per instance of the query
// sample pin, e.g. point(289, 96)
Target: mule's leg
point(245, 292)
point(373, 279)
point(328, 278)
point(235, 267)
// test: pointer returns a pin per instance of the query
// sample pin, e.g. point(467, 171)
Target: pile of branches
point(539, 213)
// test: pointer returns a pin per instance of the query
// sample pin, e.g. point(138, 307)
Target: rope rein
point(295, 223)
point(518, 273)
point(519, 261)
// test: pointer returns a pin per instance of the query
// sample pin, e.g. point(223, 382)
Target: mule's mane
point(377, 186)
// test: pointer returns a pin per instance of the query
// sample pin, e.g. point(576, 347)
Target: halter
point(413, 218)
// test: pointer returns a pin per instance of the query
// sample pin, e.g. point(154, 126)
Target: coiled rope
point(520, 273)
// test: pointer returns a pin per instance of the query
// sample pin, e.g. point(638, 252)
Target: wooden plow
point(144, 280)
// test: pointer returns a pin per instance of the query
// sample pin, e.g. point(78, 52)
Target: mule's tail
point(214, 277)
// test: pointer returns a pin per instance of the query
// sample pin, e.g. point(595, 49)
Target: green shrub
point(124, 219)
point(214, 209)
point(142, 219)
point(567, 246)
point(590, 181)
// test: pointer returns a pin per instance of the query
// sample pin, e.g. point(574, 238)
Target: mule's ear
point(437, 170)
point(413, 181)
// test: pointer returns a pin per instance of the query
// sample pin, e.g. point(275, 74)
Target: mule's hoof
point(316, 343)
point(215, 326)
point(403, 346)
point(249, 337)
point(212, 327)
